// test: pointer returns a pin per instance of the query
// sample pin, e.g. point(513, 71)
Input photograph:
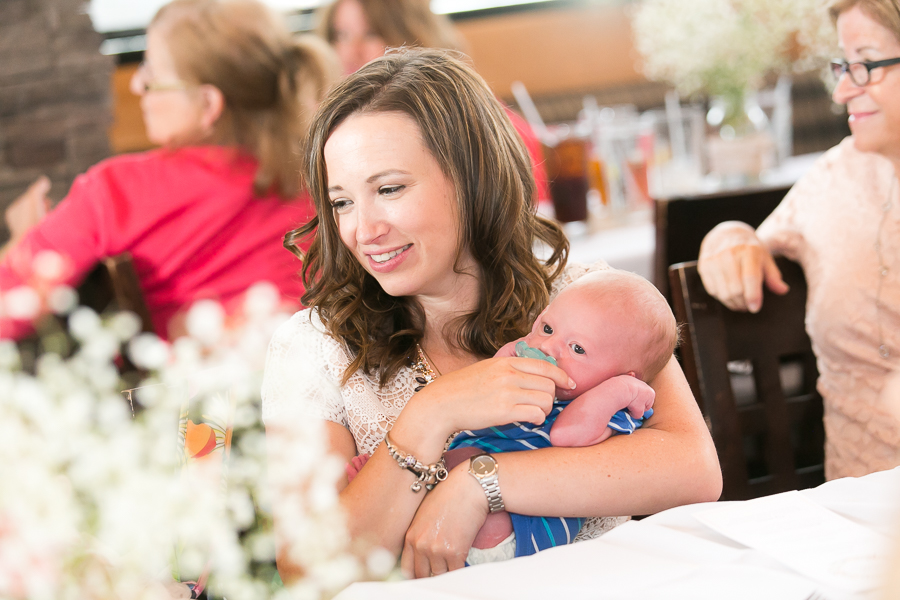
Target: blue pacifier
point(523, 350)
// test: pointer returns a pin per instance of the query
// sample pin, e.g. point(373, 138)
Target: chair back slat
point(754, 376)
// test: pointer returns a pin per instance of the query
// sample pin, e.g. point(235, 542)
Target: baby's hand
point(641, 396)
point(355, 466)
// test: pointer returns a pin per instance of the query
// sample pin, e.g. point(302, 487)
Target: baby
point(610, 331)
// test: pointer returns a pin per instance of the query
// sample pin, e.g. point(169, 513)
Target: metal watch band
point(491, 486)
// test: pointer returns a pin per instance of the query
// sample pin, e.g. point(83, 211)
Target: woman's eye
point(577, 349)
point(387, 190)
point(548, 330)
point(340, 204)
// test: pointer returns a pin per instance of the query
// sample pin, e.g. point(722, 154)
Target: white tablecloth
point(672, 555)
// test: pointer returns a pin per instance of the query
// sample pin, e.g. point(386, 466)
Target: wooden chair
point(683, 221)
point(113, 284)
point(754, 376)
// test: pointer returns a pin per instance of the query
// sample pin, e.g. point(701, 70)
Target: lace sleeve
point(302, 374)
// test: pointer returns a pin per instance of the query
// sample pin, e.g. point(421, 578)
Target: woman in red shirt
point(226, 92)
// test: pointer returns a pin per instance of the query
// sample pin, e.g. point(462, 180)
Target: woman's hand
point(29, 209)
point(488, 393)
point(733, 265)
point(441, 534)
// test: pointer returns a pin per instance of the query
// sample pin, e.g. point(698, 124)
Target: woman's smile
point(385, 260)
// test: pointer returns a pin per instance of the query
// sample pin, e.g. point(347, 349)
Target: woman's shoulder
point(152, 164)
point(841, 174)
point(305, 337)
point(845, 159)
point(572, 272)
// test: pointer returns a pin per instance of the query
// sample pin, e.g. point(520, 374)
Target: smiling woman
point(840, 222)
point(421, 266)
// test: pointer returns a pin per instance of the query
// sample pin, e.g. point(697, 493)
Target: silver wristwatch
point(484, 469)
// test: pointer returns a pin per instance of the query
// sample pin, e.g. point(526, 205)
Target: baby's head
point(605, 324)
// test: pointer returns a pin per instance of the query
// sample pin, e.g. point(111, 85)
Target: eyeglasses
point(149, 85)
point(861, 71)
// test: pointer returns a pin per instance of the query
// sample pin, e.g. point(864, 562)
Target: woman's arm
point(379, 504)
point(669, 462)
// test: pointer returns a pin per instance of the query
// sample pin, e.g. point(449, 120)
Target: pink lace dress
point(831, 222)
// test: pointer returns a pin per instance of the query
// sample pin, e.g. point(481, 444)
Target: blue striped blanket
point(534, 534)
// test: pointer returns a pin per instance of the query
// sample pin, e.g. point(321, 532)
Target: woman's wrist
point(467, 488)
point(419, 433)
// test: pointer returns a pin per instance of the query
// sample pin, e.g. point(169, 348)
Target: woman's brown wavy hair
point(468, 133)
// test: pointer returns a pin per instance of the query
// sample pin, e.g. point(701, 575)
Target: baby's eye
point(577, 349)
point(387, 190)
point(547, 329)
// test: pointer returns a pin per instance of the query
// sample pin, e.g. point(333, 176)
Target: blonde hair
point(884, 12)
point(270, 81)
point(399, 23)
point(470, 136)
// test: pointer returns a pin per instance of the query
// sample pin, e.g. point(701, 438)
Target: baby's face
point(591, 342)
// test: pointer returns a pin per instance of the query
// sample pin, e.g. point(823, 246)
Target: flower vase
point(741, 144)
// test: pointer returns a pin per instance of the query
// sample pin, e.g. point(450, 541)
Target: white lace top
point(302, 380)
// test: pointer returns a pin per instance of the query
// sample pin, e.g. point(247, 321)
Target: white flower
point(723, 46)
point(9, 355)
point(125, 325)
point(83, 323)
point(62, 299)
point(49, 265)
point(149, 352)
point(22, 303)
point(93, 499)
point(261, 299)
point(380, 562)
point(205, 321)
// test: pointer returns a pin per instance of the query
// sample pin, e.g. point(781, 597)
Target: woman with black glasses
point(841, 222)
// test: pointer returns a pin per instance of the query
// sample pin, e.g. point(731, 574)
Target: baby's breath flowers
point(101, 501)
point(725, 47)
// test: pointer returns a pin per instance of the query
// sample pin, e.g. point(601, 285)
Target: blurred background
point(65, 66)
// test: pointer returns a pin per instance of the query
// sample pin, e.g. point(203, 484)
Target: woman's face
point(395, 209)
point(354, 41)
point(875, 108)
point(172, 109)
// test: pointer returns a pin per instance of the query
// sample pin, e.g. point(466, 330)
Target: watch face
point(484, 466)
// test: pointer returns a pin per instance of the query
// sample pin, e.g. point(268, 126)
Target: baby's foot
point(496, 528)
point(355, 465)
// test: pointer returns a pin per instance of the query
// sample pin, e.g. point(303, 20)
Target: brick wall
point(55, 101)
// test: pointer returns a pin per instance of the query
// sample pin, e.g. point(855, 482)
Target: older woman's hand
point(441, 534)
point(733, 265)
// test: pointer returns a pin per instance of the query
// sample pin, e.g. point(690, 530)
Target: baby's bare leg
point(498, 525)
